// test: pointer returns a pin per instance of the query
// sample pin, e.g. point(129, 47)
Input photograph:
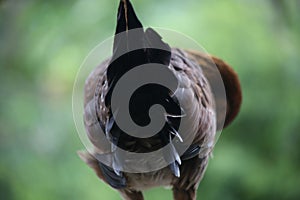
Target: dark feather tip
point(114, 180)
point(191, 152)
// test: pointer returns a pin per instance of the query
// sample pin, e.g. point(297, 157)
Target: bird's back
point(196, 105)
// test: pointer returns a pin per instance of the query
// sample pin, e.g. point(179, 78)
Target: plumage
point(199, 105)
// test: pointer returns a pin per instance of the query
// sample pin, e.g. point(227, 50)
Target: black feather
point(157, 50)
point(114, 180)
point(191, 152)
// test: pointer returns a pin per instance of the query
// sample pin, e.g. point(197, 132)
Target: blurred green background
point(43, 43)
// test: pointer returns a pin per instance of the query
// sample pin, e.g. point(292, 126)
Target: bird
point(197, 101)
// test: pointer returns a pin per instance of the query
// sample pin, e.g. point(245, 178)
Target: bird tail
point(133, 46)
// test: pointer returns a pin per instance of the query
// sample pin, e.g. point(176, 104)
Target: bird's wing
point(195, 96)
point(94, 85)
point(227, 106)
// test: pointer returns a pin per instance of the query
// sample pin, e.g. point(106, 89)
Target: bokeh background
point(43, 43)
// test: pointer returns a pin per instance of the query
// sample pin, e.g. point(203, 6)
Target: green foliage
point(43, 44)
